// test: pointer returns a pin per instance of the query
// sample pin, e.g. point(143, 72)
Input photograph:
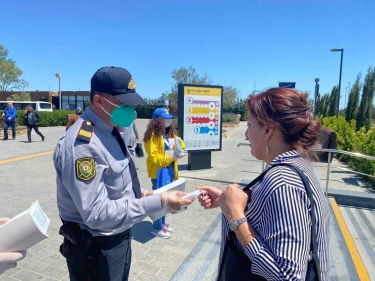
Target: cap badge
point(131, 85)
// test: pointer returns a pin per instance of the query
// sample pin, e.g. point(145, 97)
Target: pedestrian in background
point(159, 138)
point(32, 119)
point(9, 116)
point(130, 136)
point(73, 118)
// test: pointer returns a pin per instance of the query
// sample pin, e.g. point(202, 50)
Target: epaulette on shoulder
point(86, 131)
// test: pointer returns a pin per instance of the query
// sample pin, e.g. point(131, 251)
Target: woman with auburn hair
point(271, 225)
point(160, 137)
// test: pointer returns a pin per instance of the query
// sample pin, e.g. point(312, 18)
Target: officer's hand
point(174, 203)
point(9, 260)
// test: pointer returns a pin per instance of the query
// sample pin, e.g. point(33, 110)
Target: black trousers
point(35, 127)
point(110, 259)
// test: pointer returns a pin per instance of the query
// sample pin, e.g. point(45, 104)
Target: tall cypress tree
point(364, 117)
point(353, 101)
point(324, 102)
point(332, 106)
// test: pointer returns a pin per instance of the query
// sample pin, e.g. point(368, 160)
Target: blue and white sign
point(290, 85)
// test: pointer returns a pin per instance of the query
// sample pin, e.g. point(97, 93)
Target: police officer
point(98, 191)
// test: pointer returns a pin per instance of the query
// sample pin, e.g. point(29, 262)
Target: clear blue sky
point(237, 43)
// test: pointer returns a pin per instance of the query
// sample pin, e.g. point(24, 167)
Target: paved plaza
point(193, 250)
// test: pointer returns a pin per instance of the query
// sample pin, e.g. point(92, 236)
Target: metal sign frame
point(201, 94)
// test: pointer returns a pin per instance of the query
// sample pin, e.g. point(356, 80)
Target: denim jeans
point(11, 124)
point(159, 223)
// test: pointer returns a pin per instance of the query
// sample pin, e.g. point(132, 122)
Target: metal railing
point(330, 155)
point(331, 151)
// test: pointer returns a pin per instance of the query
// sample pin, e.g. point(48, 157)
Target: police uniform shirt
point(94, 186)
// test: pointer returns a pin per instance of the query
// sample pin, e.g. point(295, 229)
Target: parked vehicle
point(21, 105)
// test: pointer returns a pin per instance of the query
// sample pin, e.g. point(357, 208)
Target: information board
point(199, 112)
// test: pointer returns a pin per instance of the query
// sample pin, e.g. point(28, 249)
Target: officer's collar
point(90, 115)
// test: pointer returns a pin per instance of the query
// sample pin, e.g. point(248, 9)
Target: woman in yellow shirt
point(160, 140)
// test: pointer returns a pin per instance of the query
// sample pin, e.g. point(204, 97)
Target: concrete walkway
point(191, 253)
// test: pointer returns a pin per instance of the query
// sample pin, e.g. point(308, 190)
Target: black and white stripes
point(279, 212)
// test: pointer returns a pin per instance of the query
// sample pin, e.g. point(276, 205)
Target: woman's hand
point(233, 202)
point(9, 260)
point(209, 197)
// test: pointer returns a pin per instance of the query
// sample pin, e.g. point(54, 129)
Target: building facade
point(69, 99)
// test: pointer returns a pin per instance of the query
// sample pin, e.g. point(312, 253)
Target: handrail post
point(328, 170)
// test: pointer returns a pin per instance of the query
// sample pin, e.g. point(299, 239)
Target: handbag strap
point(306, 183)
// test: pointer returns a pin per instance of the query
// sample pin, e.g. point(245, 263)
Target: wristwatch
point(234, 224)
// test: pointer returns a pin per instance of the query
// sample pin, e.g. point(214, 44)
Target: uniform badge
point(85, 168)
point(86, 131)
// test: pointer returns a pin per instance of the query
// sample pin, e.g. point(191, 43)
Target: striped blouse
point(279, 212)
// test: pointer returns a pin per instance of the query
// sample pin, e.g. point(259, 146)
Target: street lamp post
point(58, 75)
point(338, 98)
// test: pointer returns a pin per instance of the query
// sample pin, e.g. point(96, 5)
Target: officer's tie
point(135, 181)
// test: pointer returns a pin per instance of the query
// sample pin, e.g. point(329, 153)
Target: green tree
point(332, 106)
point(230, 97)
point(365, 107)
point(23, 96)
point(353, 100)
point(318, 106)
point(324, 105)
point(9, 73)
point(185, 76)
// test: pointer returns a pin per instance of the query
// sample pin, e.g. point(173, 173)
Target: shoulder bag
point(139, 150)
point(235, 265)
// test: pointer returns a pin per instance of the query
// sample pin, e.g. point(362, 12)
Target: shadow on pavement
point(141, 232)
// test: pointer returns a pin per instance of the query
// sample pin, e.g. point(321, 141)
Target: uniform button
point(298, 276)
point(122, 165)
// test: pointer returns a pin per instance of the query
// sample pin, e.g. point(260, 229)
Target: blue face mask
point(122, 115)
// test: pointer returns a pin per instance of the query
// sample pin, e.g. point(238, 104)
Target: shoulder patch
point(85, 168)
point(86, 131)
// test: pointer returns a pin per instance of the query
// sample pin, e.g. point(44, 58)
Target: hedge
point(48, 119)
point(349, 139)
